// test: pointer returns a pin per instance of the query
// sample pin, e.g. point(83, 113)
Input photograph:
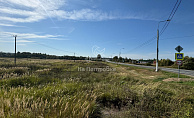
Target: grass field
point(57, 88)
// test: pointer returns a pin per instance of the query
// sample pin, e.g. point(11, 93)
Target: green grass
point(190, 83)
point(174, 75)
point(55, 88)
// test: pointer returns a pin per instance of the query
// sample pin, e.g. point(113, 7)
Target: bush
point(148, 64)
point(157, 102)
point(19, 71)
point(165, 62)
point(188, 63)
point(27, 81)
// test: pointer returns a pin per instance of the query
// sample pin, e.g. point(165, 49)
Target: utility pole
point(120, 53)
point(74, 56)
point(15, 49)
point(157, 49)
point(158, 42)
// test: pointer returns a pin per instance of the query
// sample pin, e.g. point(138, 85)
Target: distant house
point(145, 61)
point(133, 61)
point(95, 59)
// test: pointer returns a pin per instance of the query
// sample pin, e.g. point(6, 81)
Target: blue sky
point(89, 27)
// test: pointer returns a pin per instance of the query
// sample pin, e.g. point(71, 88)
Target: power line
point(150, 41)
point(145, 43)
point(142, 45)
point(164, 27)
point(52, 47)
point(170, 17)
point(166, 23)
point(177, 37)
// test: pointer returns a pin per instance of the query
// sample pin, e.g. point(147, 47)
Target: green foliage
point(148, 64)
point(39, 56)
point(121, 59)
point(158, 79)
point(98, 56)
point(160, 100)
point(19, 71)
point(188, 63)
point(126, 59)
point(165, 62)
point(191, 83)
point(26, 81)
point(115, 58)
point(174, 75)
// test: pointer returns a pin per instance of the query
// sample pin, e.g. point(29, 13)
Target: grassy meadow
point(57, 89)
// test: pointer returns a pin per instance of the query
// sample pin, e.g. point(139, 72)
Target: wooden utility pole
point(74, 57)
point(15, 49)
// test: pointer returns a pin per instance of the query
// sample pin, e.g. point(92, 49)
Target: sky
point(91, 27)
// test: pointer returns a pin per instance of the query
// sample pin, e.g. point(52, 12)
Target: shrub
point(19, 71)
point(188, 65)
point(148, 64)
point(165, 62)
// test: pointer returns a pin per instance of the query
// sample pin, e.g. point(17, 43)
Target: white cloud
point(18, 41)
point(9, 25)
point(86, 14)
point(36, 10)
point(22, 44)
point(7, 35)
point(28, 11)
point(25, 41)
point(49, 4)
point(7, 10)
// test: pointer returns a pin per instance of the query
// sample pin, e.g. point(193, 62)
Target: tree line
point(39, 56)
point(188, 62)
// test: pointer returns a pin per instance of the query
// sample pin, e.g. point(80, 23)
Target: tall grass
point(55, 88)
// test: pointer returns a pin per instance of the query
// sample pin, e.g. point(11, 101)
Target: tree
point(126, 60)
point(120, 59)
point(166, 62)
point(98, 56)
point(188, 63)
point(115, 58)
point(130, 60)
point(39, 56)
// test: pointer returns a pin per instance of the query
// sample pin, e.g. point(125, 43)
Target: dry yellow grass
point(128, 92)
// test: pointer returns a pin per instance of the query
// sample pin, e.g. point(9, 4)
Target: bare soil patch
point(178, 79)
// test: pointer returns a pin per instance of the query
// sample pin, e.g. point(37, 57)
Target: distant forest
point(39, 56)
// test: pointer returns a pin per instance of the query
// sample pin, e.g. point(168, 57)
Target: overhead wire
point(166, 23)
point(163, 29)
point(178, 37)
point(52, 47)
point(41, 5)
point(170, 18)
point(143, 44)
